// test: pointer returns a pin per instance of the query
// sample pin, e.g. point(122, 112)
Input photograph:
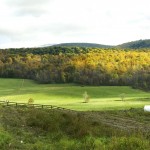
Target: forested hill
point(136, 44)
point(129, 45)
point(92, 45)
point(85, 66)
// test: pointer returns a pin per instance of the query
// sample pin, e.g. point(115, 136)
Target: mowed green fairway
point(71, 95)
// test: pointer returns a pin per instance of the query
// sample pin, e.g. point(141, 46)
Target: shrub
point(30, 101)
point(86, 97)
point(75, 125)
point(47, 121)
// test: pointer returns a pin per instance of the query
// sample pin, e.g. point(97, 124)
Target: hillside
point(136, 44)
point(84, 66)
point(131, 45)
point(93, 45)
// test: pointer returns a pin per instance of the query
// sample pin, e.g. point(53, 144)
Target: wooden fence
point(42, 106)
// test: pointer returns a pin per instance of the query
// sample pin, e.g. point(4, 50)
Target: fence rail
point(42, 106)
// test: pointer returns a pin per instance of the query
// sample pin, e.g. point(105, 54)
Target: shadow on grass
point(138, 99)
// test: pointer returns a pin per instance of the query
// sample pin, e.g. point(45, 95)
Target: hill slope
point(136, 44)
point(84, 45)
point(132, 45)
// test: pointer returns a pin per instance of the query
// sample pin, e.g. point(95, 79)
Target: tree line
point(85, 66)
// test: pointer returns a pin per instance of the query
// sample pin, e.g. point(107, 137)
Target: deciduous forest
point(85, 66)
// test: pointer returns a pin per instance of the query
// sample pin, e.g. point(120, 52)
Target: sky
point(29, 23)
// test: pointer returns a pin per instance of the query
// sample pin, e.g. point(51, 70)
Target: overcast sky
point(26, 23)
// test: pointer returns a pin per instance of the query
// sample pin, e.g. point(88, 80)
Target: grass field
point(22, 128)
point(71, 95)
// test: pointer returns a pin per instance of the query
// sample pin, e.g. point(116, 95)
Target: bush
point(75, 125)
point(47, 121)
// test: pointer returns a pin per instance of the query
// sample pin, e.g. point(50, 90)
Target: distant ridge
point(136, 44)
point(129, 45)
point(92, 45)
